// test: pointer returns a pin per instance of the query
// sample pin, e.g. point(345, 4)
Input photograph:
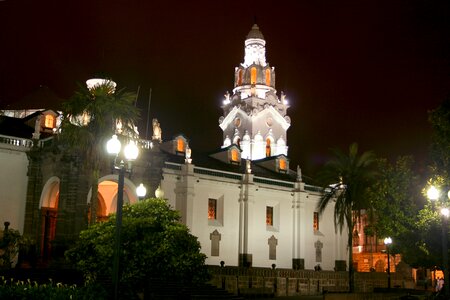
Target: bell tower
point(254, 117)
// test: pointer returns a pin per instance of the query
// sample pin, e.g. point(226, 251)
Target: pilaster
point(246, 201)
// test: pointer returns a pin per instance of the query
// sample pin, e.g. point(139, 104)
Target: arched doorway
point(107, 195)
point(379, 266)
point(48, 206)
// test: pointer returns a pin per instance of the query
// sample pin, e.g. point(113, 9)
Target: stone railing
point(15, 141)
point(288, 282)
point(24, 143)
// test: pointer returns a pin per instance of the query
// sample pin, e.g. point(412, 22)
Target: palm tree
point(90, 117)
point(346, 178)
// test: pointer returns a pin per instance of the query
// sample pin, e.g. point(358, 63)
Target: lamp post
point(434, 194)
point(130, 153)
point(387, 242)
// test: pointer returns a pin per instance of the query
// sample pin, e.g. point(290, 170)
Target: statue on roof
point(37, 127)
point(299, 173)
point(156, 130)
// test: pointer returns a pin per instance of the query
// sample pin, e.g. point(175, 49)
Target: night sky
point(353, 71)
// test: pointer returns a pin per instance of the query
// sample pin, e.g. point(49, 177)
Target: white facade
point(254, 117)
point(238, 217)
point(240, 221)
point(13, 181)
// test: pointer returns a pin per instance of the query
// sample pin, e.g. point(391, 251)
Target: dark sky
point(353, 71)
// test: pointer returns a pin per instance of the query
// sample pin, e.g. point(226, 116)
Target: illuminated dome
point(255, 33)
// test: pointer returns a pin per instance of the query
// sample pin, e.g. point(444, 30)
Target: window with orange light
point(234, 155)
point(239, 77)
point(212, 209)
point(49, 121)
point(268, 148)
point(282, 164)
point(269, 215)
point(267, 77)
point(180, 145)
point(316, 221)
point(253, 75)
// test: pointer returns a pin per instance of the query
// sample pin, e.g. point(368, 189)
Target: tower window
point(316, 221)
point(180, 145)
point(253, 75)
point(212, 209)
point(268, 148)
point(268, 77)
point(239, 77)
point(49, 121)
point(269, 215)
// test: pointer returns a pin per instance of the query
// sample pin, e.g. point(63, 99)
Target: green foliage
point(395, 197)
point(440, 147)
point(16, 289)
point(9, 247)
point(397, 202)
point(346, 178)
point(428, 226)
point(153, 244)
point(89, 120)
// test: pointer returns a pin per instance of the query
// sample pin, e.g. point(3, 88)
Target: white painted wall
point(227, 190)
point(13, 185)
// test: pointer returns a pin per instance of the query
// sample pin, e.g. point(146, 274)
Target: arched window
point(240, 77)
point(180, 145)
point(267, 147)
point(49, 121)
point(234, 155)
point(253, 75)
point(268, 77)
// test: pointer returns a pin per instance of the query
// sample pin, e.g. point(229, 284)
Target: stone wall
point(287, 282)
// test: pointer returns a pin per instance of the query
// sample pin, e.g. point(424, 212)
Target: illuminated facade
point(254, 117)
point(244, 203)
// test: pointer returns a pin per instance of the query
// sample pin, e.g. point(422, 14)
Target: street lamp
point(434, 194)
point(130, 153)
point(141, 191)
point(387, 242)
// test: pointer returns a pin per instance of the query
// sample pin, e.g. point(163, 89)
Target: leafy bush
point(154, 244)
point(15, 289)
point(9, 246)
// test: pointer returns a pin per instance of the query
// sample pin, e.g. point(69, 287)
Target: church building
point(243, 201)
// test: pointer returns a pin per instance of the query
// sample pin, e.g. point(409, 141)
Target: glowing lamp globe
point(159, 193)
point(387, 241)
point(113, 145)
point(445, 212)
point(433, 193)
point(141, 191)
point(131, 151)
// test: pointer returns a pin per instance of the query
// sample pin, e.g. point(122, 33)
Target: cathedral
point(244, 202)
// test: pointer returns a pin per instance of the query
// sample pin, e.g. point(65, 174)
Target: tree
point(396, 200)
point(346, 179)
point(90, 117)
point(154, 244)
point(440, 147)
point(429, 220)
